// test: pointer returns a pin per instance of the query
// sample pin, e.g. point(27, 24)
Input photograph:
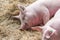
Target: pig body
point(51, 30)
point(38, 12)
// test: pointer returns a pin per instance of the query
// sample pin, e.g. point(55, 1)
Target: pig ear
point(22, 8)
point(51, 32)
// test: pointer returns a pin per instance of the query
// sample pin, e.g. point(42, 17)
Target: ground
point(9, 27)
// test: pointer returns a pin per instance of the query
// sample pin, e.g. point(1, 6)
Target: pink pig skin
point(37, 13)
point(51, 30)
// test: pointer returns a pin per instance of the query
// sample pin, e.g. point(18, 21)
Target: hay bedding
point(9, 27)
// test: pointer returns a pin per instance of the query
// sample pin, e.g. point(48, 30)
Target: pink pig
point(51, 30)
point(38, 13)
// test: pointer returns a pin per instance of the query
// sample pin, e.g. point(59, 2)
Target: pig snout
point(24, 26)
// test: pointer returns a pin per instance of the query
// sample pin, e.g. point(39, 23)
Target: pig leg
point(37, 28)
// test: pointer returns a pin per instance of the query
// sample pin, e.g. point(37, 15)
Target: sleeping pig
point(51, 30)
point(37, 13)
